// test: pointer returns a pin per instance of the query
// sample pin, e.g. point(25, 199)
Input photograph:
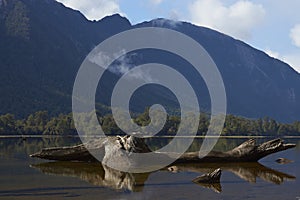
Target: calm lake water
point(22, 177)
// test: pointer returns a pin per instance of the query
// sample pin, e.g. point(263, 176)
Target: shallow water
point(22, 177)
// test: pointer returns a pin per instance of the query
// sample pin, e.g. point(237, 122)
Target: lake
point(22, 177)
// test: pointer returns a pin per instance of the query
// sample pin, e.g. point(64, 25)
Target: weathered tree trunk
point(211, 178)
point(108, 147)
point(246, 152)
point(74, 153)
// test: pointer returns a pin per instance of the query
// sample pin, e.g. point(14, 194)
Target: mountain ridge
point(53, 41)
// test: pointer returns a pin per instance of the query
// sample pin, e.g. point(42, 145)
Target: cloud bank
point(237, 20)
point(94, 9)
point(295, 35)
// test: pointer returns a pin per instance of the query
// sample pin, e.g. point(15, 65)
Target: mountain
point(43, 44)
point(256, 84)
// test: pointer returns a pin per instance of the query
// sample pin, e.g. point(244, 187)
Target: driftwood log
point(109, 148)
point(246, 152)
point(210, 180)
point(212, 177)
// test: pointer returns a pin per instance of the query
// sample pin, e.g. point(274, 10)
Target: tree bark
point(209, 178)
point(246, 152)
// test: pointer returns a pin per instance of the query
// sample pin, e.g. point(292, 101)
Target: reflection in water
point(96, 174)
point(101, 175)
point(216, 187)
point(246, 171)
point(18, 147)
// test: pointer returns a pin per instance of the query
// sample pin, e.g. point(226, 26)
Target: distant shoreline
point(76, 136)
point(38, 136)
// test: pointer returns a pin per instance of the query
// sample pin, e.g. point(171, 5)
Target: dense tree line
point(37, 124)
point(40, 123)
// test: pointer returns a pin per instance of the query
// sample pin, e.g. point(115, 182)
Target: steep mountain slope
point(43, 44)
point(39, 60)
point(256, 84)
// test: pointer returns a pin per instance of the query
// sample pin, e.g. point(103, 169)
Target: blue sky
point(269, 25)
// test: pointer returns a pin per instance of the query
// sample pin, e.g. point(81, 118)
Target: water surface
point(22, 177)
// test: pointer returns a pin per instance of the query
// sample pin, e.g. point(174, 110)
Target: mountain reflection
point(101, 175)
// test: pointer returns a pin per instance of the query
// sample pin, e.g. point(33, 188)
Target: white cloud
point(271, 53)
point(237, 20)
point(122, 66)
point(174, 15)
point(295, 35)
point(156, 2)
point(125, 66)
point(93, 9)
point(292, 59)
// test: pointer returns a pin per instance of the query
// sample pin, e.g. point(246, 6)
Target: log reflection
point(101, 175)
point(96, 174)
point(216, 187)
point(246, 171)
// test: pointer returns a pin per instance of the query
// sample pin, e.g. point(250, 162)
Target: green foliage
point(61, 125)
point(41, 123)
point(17, 21)
point(36, 123)
point(7, 124)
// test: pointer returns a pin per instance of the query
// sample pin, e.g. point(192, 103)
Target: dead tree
point(246, 152)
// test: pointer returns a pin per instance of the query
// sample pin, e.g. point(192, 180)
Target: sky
point(272, 26)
